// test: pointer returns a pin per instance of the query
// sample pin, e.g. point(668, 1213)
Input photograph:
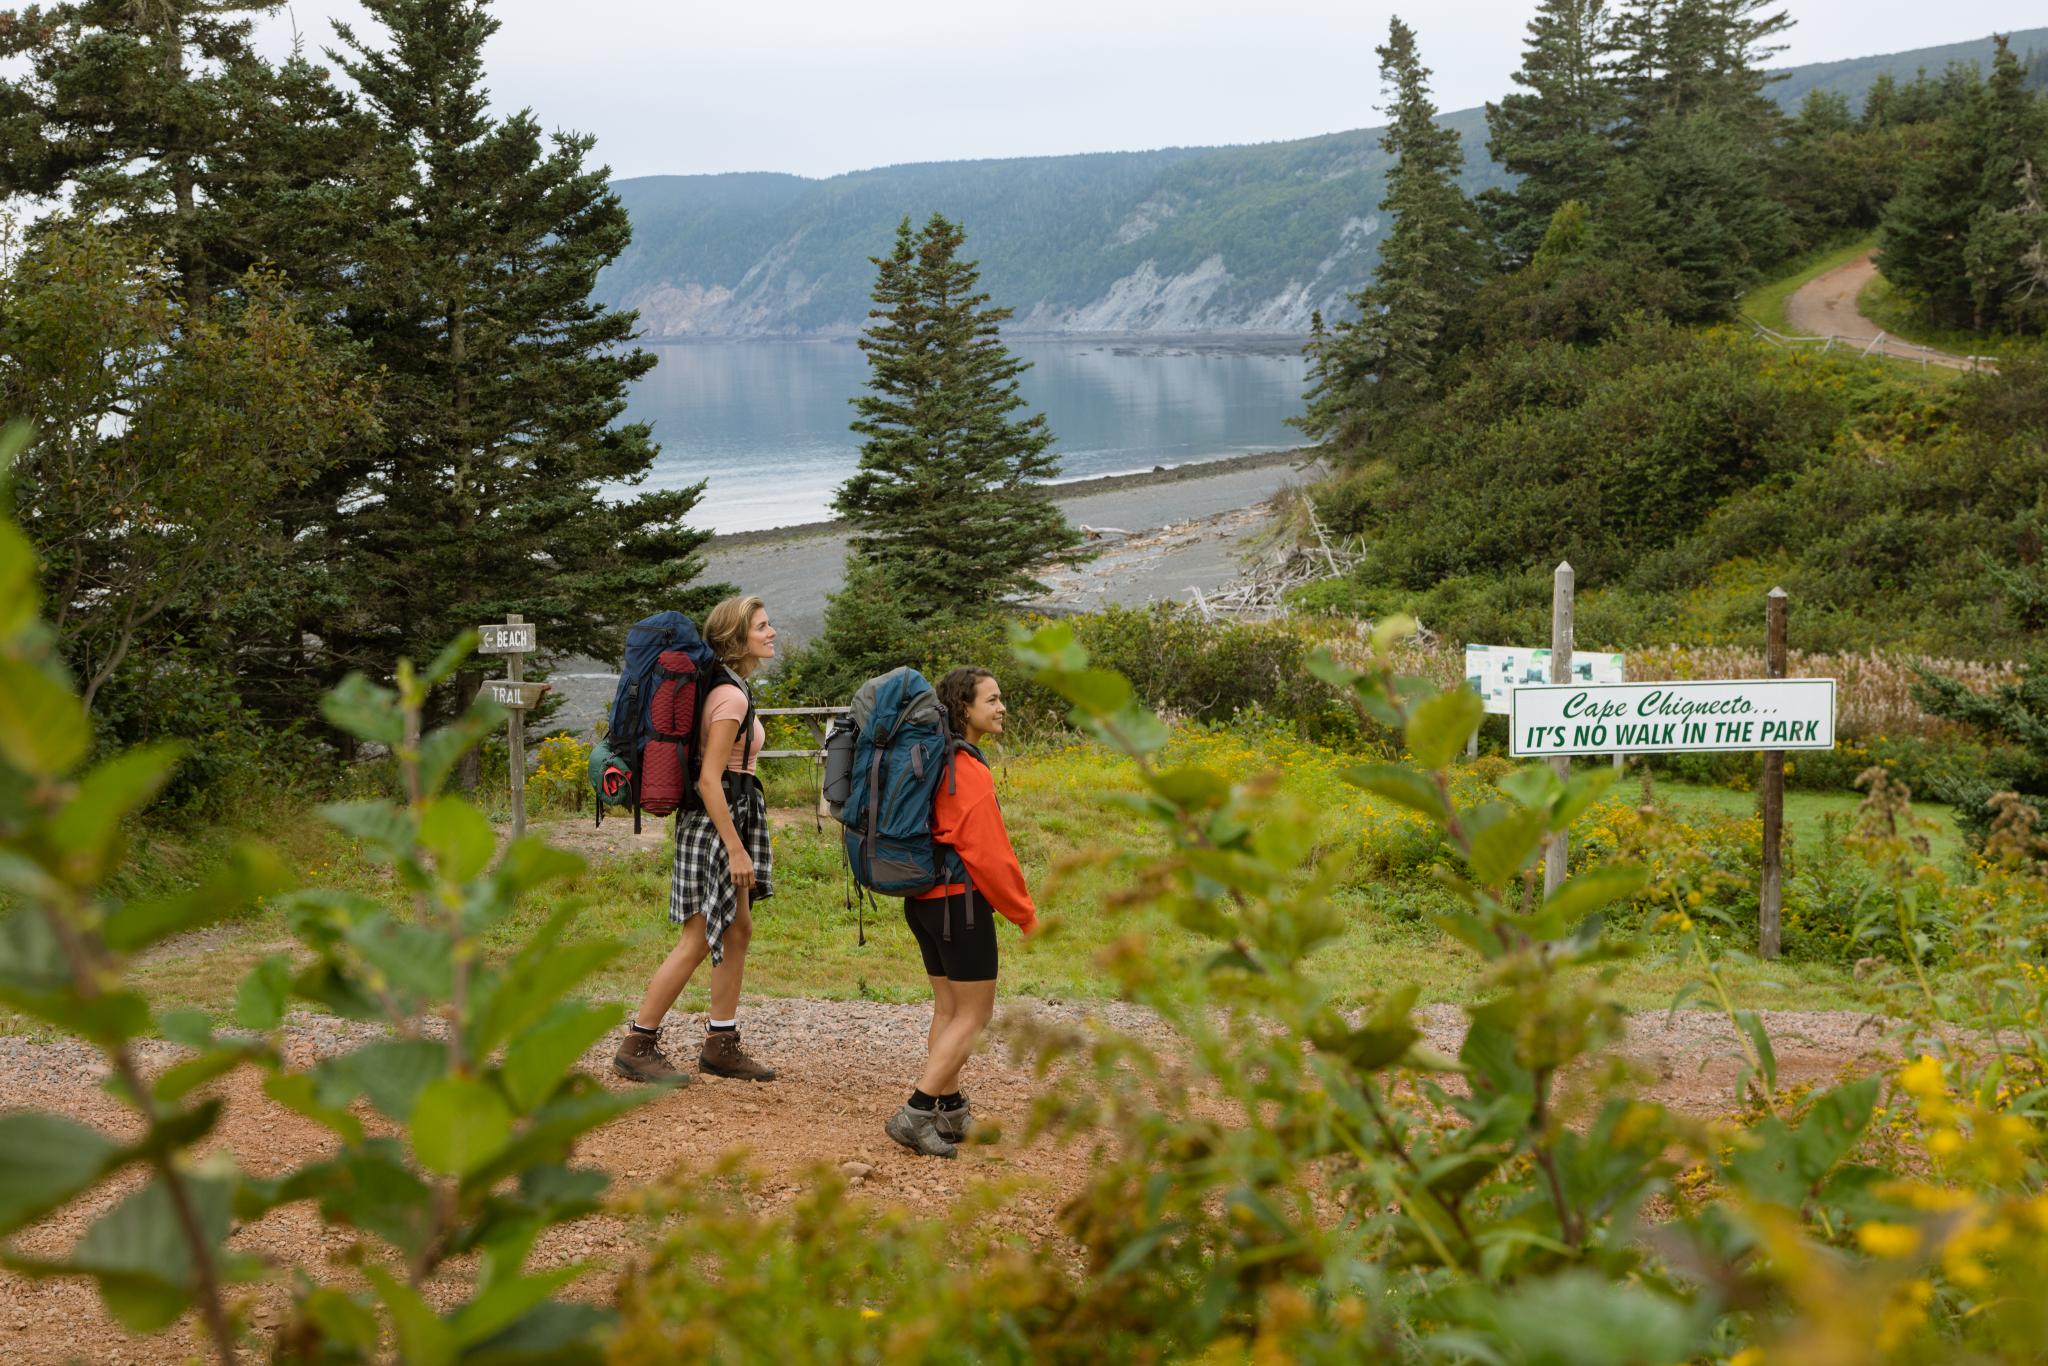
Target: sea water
point(764, 424)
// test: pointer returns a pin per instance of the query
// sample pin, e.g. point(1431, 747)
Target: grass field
point(1069, 835)
point(1766, 303)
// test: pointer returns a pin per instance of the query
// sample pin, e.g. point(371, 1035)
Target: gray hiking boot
point(723, 1057)
point(918, 1130)
point(954, 1125)
point(639, 1058)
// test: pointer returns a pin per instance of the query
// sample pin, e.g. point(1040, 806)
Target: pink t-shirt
point(728, 703)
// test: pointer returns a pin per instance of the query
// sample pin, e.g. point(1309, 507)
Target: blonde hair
point(725, 631)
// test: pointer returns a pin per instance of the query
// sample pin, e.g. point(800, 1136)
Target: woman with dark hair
point(722, 861)
point(954, 922)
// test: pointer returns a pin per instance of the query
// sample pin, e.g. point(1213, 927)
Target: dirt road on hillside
point(1825, 306)
point(845, 1065)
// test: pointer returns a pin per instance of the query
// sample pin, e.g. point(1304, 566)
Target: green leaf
point(1533, 785)
point(412, 959)
point(391, 1072)
point(1401, 784)
point(509, 1300)
point(1321, 664)
point(1098, 692)
point(541, 1056)
point(423, 1338)
point(556, 1126)
point(187, 1025)
point(1389, 631)
point(458, 837)
point(1579, 795)
point(297, 1092)
point(251, 873)
point(43, 729)
point(1504, 848)
point(180, 1079)
point(443, 745)
point(551, 1334)
point(1831, 1128)
point(1750, 1024)
point(1593, 889)
point(260, 1000)
point(342, 1321)
point(1192, 788)
point(89, 826)
point(365, 710)
point(137, 1250)
point(450, 659)
point(458, 1125)
point(44, 1161)
point(540, 974)
point(1439, 727)
point(386, 828)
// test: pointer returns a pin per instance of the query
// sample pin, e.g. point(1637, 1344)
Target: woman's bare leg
point(673, 975)
point(973, 1005)
point(725, 976)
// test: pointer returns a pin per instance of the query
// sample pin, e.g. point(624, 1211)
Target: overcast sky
point(818, 87)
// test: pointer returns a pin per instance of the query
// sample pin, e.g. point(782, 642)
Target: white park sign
point(1493, 671)
point(1672, 717)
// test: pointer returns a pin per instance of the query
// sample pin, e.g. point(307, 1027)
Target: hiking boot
point(955, 1124)
point(918, 1130)
point(723, 1057)
point(639, 1058)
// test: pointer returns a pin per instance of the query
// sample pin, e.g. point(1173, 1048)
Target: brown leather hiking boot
point(639, 1057)
point(723, 1057)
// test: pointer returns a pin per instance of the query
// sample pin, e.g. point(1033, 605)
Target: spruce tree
point(1369, 369)
point(1559, 135)
point(502, 379)
point(1959, 235)
point(947, 503)
point(162, 118)
point(1678, 58)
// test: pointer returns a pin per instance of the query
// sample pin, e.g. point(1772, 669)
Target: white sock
point(733, 1023)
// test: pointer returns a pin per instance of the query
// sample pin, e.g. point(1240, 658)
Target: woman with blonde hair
point(722, 859)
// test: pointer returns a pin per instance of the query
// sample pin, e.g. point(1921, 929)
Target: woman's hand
point(742, 869)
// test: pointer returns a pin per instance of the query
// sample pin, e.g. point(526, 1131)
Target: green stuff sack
point(610, 779)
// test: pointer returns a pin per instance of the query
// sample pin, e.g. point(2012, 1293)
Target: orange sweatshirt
point(968, 820)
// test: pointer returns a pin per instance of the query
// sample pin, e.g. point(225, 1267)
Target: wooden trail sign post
point(514, 638)
point(1771, 886)
point(1561, 585)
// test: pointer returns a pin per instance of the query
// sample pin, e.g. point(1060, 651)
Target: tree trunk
point(468, 684)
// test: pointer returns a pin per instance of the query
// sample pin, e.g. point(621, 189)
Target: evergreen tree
point(1966, 221)
point(1677, 58)
point(1559, 136)
point(947, 503)
point(1368, 369)
point(502, 380)
point(160, 117)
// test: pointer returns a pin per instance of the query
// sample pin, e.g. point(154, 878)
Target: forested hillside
point(1184, 240)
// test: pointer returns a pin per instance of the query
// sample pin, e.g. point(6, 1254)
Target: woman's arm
point(718, 742)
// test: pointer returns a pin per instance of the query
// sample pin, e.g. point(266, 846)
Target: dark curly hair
point(956, 694)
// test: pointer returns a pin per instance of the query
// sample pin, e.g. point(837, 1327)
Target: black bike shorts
point(970, 955)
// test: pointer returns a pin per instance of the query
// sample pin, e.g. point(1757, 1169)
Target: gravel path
point(1825, 306)
point(845, 1065)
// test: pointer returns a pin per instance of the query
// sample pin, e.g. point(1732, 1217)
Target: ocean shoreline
point(1062, 492)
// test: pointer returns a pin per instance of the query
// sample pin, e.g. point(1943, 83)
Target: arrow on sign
point(507, 638)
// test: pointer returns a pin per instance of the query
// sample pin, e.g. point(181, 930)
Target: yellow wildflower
point(1888, 1240)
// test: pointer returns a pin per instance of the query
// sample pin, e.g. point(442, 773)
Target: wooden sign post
point(514, 638)
point(1771, 901)
point(1561, 585)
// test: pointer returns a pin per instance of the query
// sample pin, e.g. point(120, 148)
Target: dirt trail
point(1825, 306)
point(844, 1066)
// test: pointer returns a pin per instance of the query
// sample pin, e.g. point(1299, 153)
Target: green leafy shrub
point(473, 1103)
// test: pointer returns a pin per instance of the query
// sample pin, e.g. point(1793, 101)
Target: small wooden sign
point(507, 638)
point(517, 696)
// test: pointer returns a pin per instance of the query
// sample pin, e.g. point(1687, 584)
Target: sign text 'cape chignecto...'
point(1737, 714)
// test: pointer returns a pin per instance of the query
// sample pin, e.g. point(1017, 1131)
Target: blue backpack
point(902, 748)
